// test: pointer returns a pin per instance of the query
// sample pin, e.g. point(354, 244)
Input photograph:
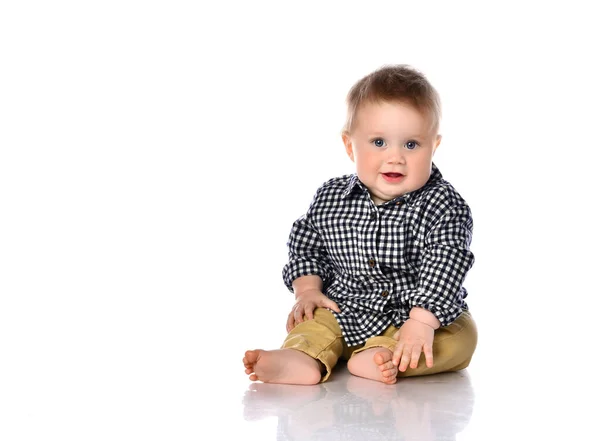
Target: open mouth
point(393, 177)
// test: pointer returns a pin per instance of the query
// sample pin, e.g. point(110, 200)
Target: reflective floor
point(351, 408)
point(468, 405)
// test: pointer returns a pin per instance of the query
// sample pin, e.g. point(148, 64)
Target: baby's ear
point(348, 145)
point(436, 143)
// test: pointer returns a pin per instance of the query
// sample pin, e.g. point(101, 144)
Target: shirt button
point(385, 293)
point(399, 203)
point(373, 216)
point(372, 263)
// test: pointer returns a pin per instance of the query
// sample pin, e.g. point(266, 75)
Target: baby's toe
point(389, 373)
point(386, 366)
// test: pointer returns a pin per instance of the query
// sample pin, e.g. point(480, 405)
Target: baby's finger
point(428, 355)
point(328, 303)
point(298, 313)
point(290, 322)
point(308, 312)
point(416, 354)
point(406, 352)
point(397, 354)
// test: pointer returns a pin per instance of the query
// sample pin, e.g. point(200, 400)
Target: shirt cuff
point(298, 269)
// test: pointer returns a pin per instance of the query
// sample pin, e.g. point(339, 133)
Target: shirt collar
point(354, 182)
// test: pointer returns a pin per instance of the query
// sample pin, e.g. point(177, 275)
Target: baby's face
point(392, 146)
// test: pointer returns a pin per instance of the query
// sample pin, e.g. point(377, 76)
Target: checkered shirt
point(378, 262)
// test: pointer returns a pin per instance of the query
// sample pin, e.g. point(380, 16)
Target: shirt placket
point(380, 290)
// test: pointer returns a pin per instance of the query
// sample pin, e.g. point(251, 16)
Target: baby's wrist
point(423, 323)
point(300, 293)
point(306, 283)
point(424, 316)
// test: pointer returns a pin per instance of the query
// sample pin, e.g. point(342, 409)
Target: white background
point(153, 156)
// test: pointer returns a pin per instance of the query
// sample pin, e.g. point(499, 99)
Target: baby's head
point(397, 83)
point(391, 130)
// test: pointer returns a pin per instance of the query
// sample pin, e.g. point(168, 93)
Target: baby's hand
point(306, 302)
point(413, 337)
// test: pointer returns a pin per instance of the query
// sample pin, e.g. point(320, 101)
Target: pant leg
point(453, 346)
point(319, 338)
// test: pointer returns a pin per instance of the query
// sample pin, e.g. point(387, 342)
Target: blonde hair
point(400, 83)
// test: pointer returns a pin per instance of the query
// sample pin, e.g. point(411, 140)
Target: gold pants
point(321, 338)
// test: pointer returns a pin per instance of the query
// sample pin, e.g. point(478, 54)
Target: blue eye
point(411, 145)
point(378, 142)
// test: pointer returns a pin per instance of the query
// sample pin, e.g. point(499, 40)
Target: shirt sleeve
point(445, 264)
point(306, 251)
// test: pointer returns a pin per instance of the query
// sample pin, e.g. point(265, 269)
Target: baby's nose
point(395, 155)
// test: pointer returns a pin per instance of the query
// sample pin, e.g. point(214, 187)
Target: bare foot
point(374, 364)
point(282, 366)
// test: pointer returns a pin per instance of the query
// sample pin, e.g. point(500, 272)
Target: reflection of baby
point(426, 408)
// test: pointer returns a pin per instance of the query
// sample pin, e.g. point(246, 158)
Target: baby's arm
point(307, 269)
point(445, 261)
point(437, 302)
